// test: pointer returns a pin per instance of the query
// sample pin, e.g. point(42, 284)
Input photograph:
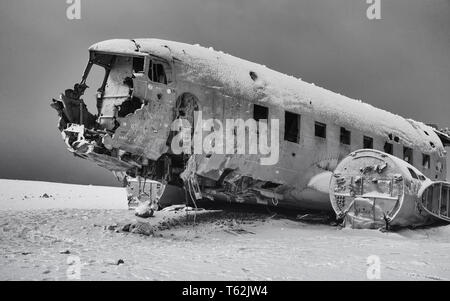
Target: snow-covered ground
point(30, 195)
point(77, 232)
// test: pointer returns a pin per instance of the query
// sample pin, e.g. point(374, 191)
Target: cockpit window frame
point(168, 64)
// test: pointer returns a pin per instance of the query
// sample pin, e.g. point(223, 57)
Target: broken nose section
point(74, 119)
point(137, 144)
point(81, 133)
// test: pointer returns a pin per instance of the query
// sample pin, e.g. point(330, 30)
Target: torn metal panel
point(145, 132)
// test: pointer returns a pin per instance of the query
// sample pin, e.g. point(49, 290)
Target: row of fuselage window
point(292, 134)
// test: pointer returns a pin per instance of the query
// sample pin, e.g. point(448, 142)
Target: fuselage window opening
point(368, 142)
point(138, 64)
point(260, 113)
point(159, 72)
point(345, 136)
point(413, 174)
point(426, 161)
point(388, 148)
point(320, 129)
point(291, 127)
point(408, 154)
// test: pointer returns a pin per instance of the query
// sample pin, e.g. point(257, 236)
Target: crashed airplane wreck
point(372, 168)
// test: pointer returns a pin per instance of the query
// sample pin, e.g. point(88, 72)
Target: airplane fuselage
point(150, 83)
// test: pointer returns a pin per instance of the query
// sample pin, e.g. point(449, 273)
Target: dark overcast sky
point(400, 63)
